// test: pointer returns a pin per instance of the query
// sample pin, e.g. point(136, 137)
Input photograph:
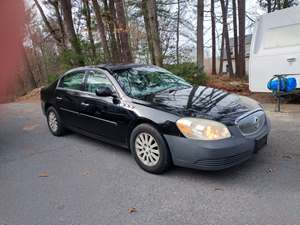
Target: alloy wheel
point(147, 149)
point(52, 120)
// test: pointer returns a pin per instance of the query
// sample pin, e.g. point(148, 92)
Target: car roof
point(111, 68)
point(116, 67)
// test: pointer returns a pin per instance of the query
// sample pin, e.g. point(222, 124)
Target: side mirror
point(105, 92)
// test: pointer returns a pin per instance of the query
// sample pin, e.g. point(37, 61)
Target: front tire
point(150, 149)
point(54, 122)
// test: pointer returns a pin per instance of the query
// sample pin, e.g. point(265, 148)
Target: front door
point(103, 116)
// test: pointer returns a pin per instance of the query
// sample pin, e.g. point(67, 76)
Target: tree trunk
point(123, 32)
point(278, 4)
point(30, 77)
point(148, 30)
point(242, 30)
point(112, 10)
point(177, 32)
point(213, 38)
point(226, 36)
point(222, 53)
point(200, 44)
point(235, 34)
point(41, 79)
point(153, 36)
point(102, 32)
point(114, 51)
point(269, 5)
point(68, 20)
point(87, 14)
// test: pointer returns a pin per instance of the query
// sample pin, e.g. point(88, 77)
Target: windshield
point(139, 82)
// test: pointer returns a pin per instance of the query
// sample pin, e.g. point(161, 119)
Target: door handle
point(58, 98)
point(85, 104)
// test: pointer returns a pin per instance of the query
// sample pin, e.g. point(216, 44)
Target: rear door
point(67, 96)
point(103, 116)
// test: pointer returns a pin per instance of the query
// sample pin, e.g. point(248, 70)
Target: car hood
point(203, 102)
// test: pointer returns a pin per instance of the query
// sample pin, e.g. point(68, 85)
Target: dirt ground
point(32, 96)
point(238, 86)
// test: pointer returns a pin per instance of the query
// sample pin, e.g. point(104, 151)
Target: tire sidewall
point(164, 159)
point(60, 129)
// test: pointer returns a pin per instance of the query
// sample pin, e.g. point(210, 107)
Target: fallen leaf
point(30, 127)
point(132, 210)
point(43, 174)
point(86, 173)
point(287, 157)
point(219, 189)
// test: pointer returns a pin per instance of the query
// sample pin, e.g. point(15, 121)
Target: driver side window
point(96, 80)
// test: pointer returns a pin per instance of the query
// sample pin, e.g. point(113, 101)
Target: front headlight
point(202, 129)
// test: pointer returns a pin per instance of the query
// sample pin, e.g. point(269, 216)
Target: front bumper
point(215, 155)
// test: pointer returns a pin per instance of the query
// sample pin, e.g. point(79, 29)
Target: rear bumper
point(216, 155)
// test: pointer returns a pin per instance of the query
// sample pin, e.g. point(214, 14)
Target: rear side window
point(73, 81)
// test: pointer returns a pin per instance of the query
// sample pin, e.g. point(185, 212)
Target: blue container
point(286, 84)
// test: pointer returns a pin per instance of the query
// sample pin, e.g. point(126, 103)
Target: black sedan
point(159, 116)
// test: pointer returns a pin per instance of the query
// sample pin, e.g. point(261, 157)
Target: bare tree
point(150, 17)
point(87, 14)
point(54, 33)
point(224, 7)
point(102, 32)
point(56, 6)
point(109, 13)
point(177, 31)
point(30, 76)
point(235, 35)
point(148, 30)
point(222, 53)
point(68, 21)
point(123, 32)
point(242, 30)
point(213, 37)
point(113, 14)
point(200, 43)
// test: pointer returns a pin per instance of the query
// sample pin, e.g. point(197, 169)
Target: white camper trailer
point(275, 48)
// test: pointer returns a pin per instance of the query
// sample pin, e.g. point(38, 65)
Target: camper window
point(283, 36)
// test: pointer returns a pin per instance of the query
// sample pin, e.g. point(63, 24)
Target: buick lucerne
point(159, 116)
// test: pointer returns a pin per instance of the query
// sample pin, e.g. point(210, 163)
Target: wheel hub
point(52, 120)
point(147, 149)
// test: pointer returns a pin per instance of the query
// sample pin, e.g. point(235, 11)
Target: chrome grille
point(251, 123)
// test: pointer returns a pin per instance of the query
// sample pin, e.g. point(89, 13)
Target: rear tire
point(54, 122)
point(149, 149)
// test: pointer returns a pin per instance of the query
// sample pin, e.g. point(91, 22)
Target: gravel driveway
point(77, 180)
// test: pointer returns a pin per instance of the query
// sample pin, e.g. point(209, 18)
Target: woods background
point(189, 37)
